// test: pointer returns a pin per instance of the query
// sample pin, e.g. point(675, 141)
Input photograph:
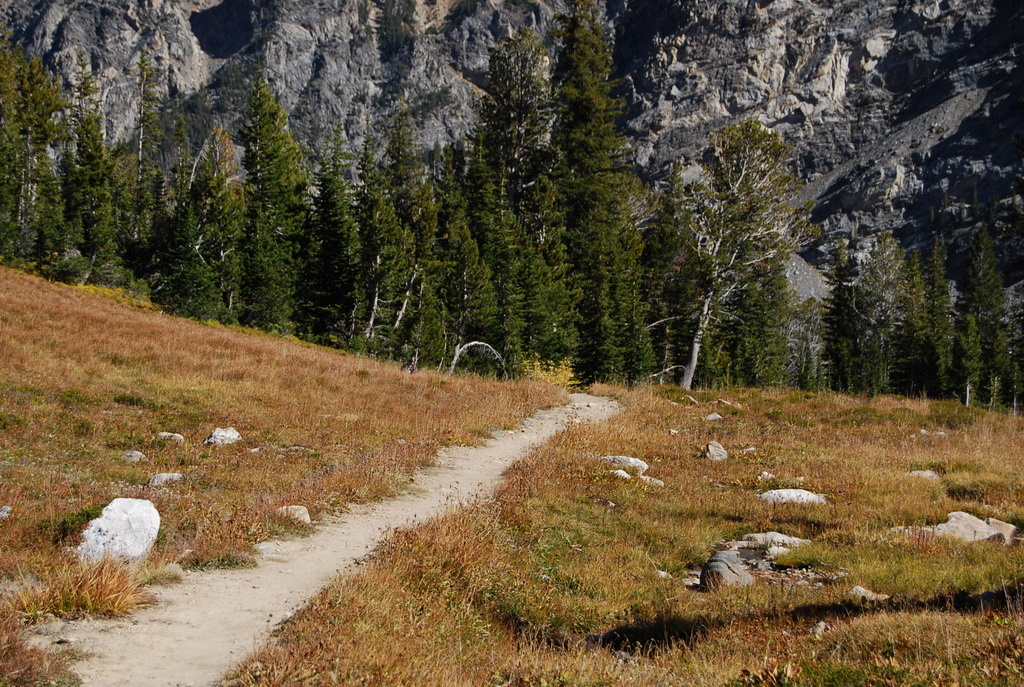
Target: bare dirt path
point(199, 629)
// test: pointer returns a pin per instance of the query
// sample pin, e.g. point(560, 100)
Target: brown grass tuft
point(107, 588)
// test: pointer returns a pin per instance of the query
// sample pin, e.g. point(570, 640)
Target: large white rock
point(627, 462)
point(791, 496)
point(715, 451)
point(223, 437)
point(126, 529)
point(966, 527)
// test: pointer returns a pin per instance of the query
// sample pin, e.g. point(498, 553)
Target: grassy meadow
point(86, 376)
point(508, 592)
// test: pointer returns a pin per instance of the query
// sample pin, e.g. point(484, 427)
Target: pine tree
point(842, 327)
point(983, 300)
point(739, 216)
point(467, 297)
point(88, 249)
point(940, 317)
point(385, 253)
point(881, 309)
point(189, 285)
point(327, 294)
point(276, 189)
point(601, 237)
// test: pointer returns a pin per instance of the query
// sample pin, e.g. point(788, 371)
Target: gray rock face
point(223, 437)
point(895, 110)
point(725, 569)
point(714, 451)
point(126, 529)
point(5, 512)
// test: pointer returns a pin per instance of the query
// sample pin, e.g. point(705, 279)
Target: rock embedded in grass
point(621, 474)
point(866, 595)
point(164, 478)
point(223, 437)
point(296, 513)
point(126, 529)
point(725, 569)
point(5, 512)
point(714, 451)
point(172, 437)
point(925, 474)
point(792, 496)
point(714, 417)
point(639, 466)
point(967, 527)
point(650, 481)
point(775, 539)
point(133, 456)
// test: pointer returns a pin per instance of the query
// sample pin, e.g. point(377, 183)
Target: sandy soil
point(199, 629)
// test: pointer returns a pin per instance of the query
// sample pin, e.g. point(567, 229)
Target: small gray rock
point(133, 456)
point(714, 451)
point(164, 478)
point(725, 568)
point(865, 595)
point(792, 496)
point(621, 474)
point(5, 512)
point(297, 513)
point(651, 481)
point(714, 417)
point(172, 437)
point(926, 474)
point(820, 629)
point(639, 466)
point(664, 575)
point(223, 437)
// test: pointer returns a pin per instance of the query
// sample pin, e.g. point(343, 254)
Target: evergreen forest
point(532, 245)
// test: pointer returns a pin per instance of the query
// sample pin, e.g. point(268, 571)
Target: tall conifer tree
point(276, 194)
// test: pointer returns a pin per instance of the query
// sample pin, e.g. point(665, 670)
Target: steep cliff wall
point(902, 112)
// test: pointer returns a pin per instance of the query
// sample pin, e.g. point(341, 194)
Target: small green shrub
point(65, 529)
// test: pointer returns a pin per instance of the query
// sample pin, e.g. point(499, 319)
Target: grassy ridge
point(86, 376)
point(506, 593)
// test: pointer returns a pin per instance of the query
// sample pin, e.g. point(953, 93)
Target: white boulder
point(296, 513)
point(126, 529)
point(223, 437)
point(625, 462)
point(792, 496)
point(775, 539)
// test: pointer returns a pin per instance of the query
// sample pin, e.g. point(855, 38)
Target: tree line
point(534, 242)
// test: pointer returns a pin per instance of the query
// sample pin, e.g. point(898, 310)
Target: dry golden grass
point(507, 593)
point(85, 376)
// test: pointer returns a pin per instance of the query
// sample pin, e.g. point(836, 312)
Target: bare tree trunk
point(459, 350)
point(698, 336)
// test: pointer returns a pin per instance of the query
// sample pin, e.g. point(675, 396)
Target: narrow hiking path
point(199, 629)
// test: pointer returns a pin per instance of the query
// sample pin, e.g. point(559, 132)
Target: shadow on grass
point(648, 635)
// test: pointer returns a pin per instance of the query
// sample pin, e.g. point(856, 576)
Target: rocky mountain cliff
point(902, 112)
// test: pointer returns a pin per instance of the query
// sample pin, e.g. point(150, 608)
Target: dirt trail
point(201, 628)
